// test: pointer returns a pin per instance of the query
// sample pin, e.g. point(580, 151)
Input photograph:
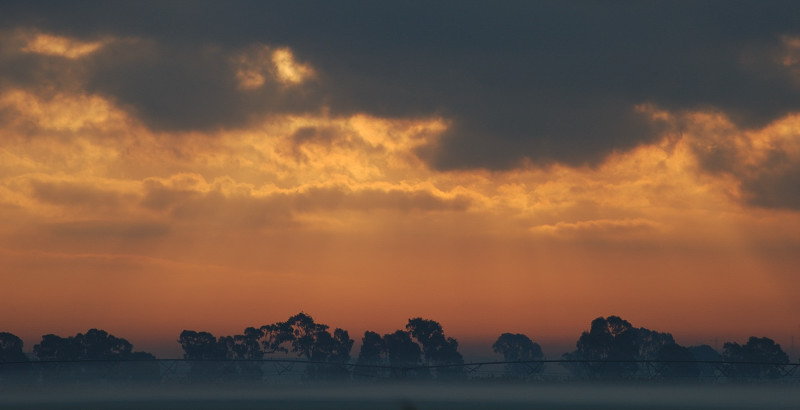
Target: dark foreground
point(408, 396)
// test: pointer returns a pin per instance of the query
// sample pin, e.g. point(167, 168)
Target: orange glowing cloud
point(339, 215)
point(323, 169)
point(288, 70)
point(60, 112)
point(257, 64)
point(60, 46)
point(321, 165)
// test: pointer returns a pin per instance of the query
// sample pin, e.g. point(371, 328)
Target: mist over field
point(301, 364)
point(408, 396)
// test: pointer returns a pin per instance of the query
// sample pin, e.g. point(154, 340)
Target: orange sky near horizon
point(106, 223)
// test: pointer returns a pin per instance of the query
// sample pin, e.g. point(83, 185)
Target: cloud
point(603, 227)
point(186, 87)
point(764, 162)
point(258, 65)
point(775, 188)
point(289, 71)
point(367, 199)
point(201, 87)
point(160, 197)
point(239, 206)
point(99, 230)
point(137, 209)
point(75, 194)
point(69, 158)
point(60, 46)
point(536, 82)
point(59, 112)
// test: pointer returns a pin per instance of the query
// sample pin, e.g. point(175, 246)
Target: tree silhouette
point(303, 333)
point(312, 341)
point(649, 343)
point(518, 347)
point(53, 347)
point(438, 349)
point(423, 343)
point(11, 348)
point(371, 354)
point(299, 335)
point(201, 346)
point(614, 344)
point(333, 349)
point(15, 364)
point(705, 353)
point(756, 350)
point(677, 353)
point(403, 354)
point(245, 348)
point(207, 355)
point(97, 345)
point(93, 345)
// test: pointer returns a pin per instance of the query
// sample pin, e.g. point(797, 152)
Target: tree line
point(612, 348)
point(114, 358)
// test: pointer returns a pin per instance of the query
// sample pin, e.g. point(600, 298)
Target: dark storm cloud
point(546, 81)
point(170, 88)
point(774, 188)
point(772, 180)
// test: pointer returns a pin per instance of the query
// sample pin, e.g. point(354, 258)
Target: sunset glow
point(114, 217)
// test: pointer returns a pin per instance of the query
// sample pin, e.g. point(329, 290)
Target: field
point(408, 396)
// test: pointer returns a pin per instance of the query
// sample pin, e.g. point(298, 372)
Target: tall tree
point(310, 340)
point(93, 345)
point(405, 356)
point(201, 346)
point(14, 364)
point(11, 348)
point(760, 357)
point(371, 354)
point(246, 349)
point(677, 362)
point(342, 345)
point(207, 355)
point(611, 347)
point(438, 349)
point(53, 347)
point(705, 353)
point(96, 345)
point(246, 345)
point(299, 335)
point(517, 347)
point(410, 351)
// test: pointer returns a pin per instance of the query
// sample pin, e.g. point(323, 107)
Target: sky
point(517, 167)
